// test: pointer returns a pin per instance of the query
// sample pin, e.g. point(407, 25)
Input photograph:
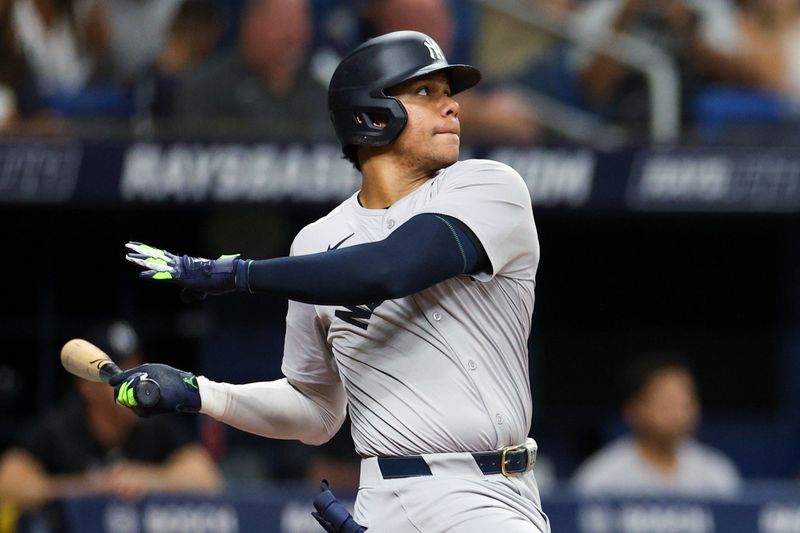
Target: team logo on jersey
point(434, 50)
point(358, 315)
point(338, 244)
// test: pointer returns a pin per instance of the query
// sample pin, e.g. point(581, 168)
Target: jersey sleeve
point(492, 200)
point(307, 357)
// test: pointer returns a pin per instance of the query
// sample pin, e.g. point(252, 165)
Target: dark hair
point(637, 375)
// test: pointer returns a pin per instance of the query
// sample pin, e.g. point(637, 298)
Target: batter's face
point(431, 138)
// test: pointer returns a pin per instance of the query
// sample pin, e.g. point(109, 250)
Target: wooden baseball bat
point(85, 360)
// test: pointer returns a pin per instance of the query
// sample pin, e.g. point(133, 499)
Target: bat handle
point(147, 392)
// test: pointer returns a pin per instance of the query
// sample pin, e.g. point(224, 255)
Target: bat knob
point(147, 393)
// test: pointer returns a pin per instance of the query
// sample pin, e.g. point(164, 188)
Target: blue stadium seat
point(717, 108)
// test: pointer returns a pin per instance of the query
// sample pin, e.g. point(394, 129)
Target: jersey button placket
point(437, 316)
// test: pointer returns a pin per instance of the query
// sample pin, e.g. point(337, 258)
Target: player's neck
point(384, 183)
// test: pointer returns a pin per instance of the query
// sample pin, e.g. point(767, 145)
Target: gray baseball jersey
point(619, 468)
point(445, 369)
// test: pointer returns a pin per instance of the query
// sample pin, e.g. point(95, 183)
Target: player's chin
point(444, 159)
point(448, 152)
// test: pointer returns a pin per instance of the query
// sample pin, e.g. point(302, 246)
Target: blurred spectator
point(336, 26)
point(758, 80)
point(12, 69)
point(265, 86)
point(190, 38)
point(662, 410)
point(65, 45)
point(765, 53)
point(22, 110)
point(137, 32)
point(494, 114)
point(432, 17)
point(64, 41)
point(499, 114)
point(88, 444)
point(690, 30)
point(506, 46)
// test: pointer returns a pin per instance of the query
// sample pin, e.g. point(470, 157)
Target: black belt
point(508, 461)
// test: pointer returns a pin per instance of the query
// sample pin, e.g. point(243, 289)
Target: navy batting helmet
point(357, 89)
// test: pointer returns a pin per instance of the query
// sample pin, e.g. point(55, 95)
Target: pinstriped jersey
point(445, 369)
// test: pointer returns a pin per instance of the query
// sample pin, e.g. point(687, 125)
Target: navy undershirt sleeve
point(424, 251)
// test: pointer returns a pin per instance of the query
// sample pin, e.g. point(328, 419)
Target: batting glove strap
point(179, 390)
point(198, 275)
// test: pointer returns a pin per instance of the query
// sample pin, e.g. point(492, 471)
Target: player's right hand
point(179, 390)
point(198, 276)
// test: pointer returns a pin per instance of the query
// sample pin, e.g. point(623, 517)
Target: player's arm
point(424, 251)
point(281, 409)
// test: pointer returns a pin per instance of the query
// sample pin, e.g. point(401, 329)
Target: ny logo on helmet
point(434, 50)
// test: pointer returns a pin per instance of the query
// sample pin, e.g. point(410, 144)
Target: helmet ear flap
point(396, 119)
point(376, 124)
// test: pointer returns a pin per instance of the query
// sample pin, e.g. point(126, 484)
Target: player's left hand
point(197, 275)
point(179, 391)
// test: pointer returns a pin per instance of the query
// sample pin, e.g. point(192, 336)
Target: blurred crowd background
point(554, 69)
point(711, 297)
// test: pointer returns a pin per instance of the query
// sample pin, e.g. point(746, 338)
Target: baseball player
point(409, 304)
